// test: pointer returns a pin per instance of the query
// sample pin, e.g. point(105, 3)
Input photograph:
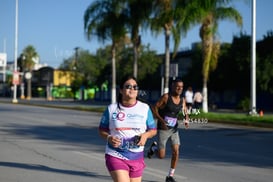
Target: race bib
point(130, 143)
point(170, 121)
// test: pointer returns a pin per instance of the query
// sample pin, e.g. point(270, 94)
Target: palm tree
point(212, 11)
point(27, 58)
point(175, 17)
point(27, 62)
point(163, 19)
point(139, 12)
point(106, 20)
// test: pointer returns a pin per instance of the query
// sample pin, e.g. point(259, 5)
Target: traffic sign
point(16, 77)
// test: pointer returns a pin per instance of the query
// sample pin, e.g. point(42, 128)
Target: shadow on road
point(231, 146)
point(80, 135)
point(39, 167)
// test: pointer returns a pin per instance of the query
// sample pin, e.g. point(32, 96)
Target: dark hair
point(124, 79)
point(177, 80)
point(121, 84)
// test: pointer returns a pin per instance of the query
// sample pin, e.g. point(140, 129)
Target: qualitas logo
point(119, 116)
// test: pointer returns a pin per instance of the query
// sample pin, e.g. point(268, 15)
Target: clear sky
point(55, 28)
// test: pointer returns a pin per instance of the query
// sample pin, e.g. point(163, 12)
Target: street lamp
point(22, 58)
point(28, 76)
point(253, 110)
point(15, 73)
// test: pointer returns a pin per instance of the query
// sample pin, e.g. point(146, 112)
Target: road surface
point(40, 144)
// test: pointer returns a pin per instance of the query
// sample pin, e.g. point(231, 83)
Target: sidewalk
point(59, 103)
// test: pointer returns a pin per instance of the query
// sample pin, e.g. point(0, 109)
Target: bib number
point(170, 121)
point(130, 143)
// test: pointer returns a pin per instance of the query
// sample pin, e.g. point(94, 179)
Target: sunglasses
point(135, 87)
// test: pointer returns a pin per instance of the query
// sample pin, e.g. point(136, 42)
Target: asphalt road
point(57, 145)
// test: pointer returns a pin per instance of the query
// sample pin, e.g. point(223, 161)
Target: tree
point(106, 19)
point(88, 67)
point(149, 62)
point(211, 12)
point(27, 59)
point(164, 19)
point(139, 12)
point(174, 17)
point(265, 62)
point(26, 64)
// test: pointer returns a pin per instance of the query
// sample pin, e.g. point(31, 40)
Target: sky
point(56, 27)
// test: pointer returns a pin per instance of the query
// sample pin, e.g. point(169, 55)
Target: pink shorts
point(134, 167)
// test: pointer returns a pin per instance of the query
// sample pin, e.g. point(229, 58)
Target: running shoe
point(170, 179)
point(151, 151)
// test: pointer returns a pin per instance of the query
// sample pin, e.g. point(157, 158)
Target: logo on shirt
point(119, 116)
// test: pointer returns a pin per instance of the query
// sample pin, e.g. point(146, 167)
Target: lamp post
point(253, 110)
point(28, 76)
point(22, 85)
point(15, 73)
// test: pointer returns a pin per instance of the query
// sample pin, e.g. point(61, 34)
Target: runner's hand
point(164, 126)
point(186, 123)
point(114, 141)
